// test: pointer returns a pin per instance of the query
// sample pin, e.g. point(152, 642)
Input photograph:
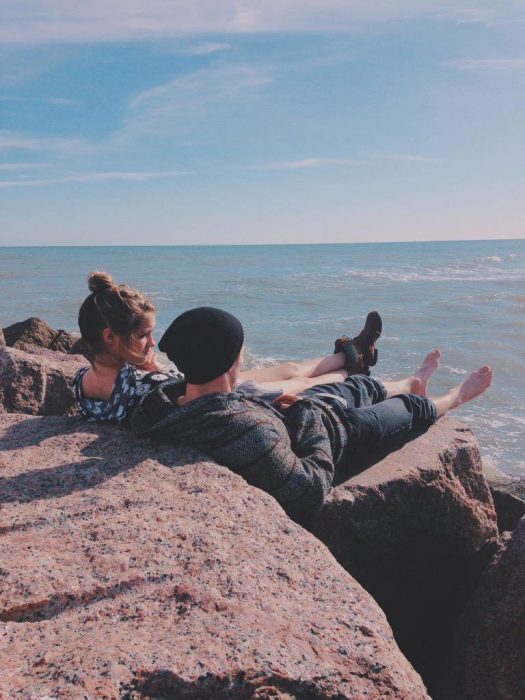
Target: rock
point(415, 530)
point(2, 338)
point(35, 333)
point(125, 577)
point(509, 508)
point(38, 384)
point(488, 657)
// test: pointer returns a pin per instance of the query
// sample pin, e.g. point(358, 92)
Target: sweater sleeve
point(299, 478)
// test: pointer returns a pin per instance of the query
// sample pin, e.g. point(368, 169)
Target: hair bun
point(99, 281)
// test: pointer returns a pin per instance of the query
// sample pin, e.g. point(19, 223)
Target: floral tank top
point(130, 386)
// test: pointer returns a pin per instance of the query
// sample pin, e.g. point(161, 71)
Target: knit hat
point(203, 343)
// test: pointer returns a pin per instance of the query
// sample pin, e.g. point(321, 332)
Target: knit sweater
point(290, 454)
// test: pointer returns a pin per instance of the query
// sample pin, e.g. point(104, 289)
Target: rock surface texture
point(488, 659)
point(2, 338)
point(38, 384)
point(33, 333)
point(510, 509)
point(122, 576)
point(415, 531)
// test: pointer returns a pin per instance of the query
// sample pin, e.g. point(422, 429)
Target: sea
point(466, 298)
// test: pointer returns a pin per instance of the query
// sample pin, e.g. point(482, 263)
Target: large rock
point(38, 384)
point(124, 577)
point(2, 338)
point(35, 333)
point(509, 508)
point(488, 658)
point(415, 530)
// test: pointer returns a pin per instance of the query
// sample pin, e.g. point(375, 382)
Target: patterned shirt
point(131, 384)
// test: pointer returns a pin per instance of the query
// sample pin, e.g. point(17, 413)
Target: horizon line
point(261, 245)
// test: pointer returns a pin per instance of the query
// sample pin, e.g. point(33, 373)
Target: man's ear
point(108, 336)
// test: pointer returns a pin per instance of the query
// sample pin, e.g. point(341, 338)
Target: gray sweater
point(290, 454)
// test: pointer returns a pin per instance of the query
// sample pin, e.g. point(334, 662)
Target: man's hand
point(284, 401)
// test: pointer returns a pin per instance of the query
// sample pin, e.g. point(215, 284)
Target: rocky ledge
point(128, 575)
point(133, 569)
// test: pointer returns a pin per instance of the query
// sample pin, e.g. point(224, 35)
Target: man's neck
point(222, 384)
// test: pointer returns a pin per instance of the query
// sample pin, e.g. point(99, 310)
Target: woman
point(117, 323)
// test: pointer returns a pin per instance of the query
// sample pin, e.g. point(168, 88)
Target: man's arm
point(261, 452)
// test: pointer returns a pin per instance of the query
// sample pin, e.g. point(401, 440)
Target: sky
point(251, 121)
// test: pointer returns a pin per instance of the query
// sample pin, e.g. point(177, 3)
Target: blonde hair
point(117, 307)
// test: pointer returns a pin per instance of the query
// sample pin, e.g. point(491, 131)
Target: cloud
point(205, 49)
point(95, 177)
point(158, 111)
point(64, 101)
point(487, 64)
point(306, 163)
point(165, 107)
point(407, 158)
point(23, 166)
point(84, 21)
point(61, 101)
point(10, 141)
point(504, 13)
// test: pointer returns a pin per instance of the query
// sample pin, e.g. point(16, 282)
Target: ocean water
point(466, 298)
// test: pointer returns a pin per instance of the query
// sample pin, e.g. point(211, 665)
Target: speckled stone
point(34, 333)
point(488, 655)
point(416, 530)
point(126, 573)
point(38, 383)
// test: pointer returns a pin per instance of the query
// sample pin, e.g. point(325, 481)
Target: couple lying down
point(293, 430)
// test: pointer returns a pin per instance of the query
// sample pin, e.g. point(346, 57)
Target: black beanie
point(203, 343)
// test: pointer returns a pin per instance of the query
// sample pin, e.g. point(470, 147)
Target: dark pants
point(375, 425)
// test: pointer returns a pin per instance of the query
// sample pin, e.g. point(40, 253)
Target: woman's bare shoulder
point(98, 386)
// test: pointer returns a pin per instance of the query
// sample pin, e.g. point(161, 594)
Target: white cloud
point(163, 108)
point(487, 64)
point(82, 21)
point(408, 158)
point(23, 166)
point(308, 163)
point(95, 177)
point(205, 49)
point(10, 140)
point(61, 101)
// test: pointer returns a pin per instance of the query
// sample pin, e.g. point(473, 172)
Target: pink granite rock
point(38, 383)
point(35, 333)
point(488, 656)
point(509, 508)
point(416, 530)
point(126, 574)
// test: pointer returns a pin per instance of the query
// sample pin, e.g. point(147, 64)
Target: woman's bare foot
point(474, 385)
point(416, 383)
point(427, 369)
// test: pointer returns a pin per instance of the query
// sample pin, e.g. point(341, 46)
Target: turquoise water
point(466, 298)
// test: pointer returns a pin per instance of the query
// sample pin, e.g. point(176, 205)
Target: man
point(299, 446)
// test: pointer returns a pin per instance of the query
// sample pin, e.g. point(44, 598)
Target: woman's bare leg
point(297, 384)
point(317, 367)
point(474, 385)
point(416, 383)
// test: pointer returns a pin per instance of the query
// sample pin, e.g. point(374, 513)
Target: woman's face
point(138, 349)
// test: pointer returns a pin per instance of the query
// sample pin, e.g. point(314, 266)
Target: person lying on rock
point(117, 323)
point(301, 445)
